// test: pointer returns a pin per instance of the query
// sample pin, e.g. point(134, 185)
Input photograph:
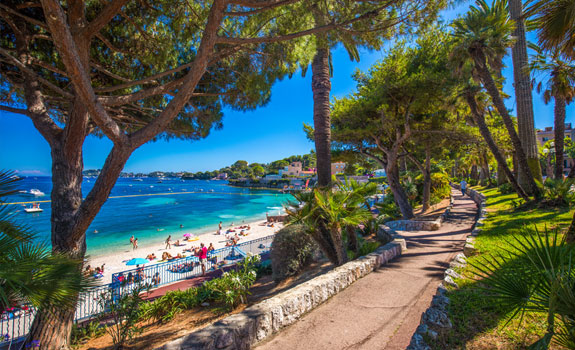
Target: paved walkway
point(383, 309)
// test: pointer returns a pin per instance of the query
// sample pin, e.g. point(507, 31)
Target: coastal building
point(548, 134)
point(294, 169)
point(222, 176)
point(337, 168)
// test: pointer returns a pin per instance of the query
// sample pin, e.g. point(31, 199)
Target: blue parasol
point(137, 261)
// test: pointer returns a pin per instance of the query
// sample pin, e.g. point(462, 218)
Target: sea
point(151, 209)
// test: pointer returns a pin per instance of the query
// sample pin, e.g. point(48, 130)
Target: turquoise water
point(158, 210)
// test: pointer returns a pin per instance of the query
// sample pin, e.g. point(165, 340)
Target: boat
point(34, 208)
point(36, 192)
point(138, 180)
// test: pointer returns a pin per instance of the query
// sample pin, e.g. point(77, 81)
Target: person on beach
point(211, 247)
point(156, 279)
point(135, 244)
point(169, 242)
point(463, 185)
point(203, 256)
point(132, 240)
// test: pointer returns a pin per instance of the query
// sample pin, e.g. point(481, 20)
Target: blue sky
point(264, 135)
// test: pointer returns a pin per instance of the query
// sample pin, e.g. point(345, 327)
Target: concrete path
point(383, 309)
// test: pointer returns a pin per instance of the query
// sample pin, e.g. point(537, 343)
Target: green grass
point(478, 322)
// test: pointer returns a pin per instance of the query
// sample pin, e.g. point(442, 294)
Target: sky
point(266, 134)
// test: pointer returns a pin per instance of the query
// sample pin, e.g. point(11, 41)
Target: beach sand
point(117, 262)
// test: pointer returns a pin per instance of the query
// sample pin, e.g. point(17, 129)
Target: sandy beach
point(117, 262)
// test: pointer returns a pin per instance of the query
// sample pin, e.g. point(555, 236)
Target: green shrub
point(230, 289)
point(233, 287)
point(388, 208)
point(440, 187)
point(368, 247)
point(536, 274)
point(264, 268)
point(558, 192)
point(506, 188)
point(292, 250)
point(83, 333)
point(125, 314)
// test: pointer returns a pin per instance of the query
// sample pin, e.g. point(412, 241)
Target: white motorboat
point(35, 208)
point(36, 192)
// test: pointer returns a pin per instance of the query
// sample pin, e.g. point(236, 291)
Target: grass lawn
point(478, 323)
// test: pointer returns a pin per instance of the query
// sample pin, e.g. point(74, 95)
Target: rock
point(460, 258)
point(479, 224)
point(450, 282)
point(417, 343)
point(385, 234)
point(469, 250)
point(440, 302)
point(225, 340)
point(470, 239)
point(476, 232)
point(424, 330)
point(437, 318)
point(452, 273)
point(455, 264)
point(441, 290)
point(205, 304)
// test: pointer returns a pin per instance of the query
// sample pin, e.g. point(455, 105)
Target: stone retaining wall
point(417, 225)
point(257, 322)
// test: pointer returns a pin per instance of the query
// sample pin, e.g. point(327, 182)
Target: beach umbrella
point(137, 261)
point(188, 235)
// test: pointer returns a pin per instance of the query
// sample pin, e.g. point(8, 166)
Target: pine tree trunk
point(426, 182)
point(559, 136)
point(523, 95)
point(493, 91)
point(399, 194)
point(321, 87)
point(501, 176)
point(486, 134)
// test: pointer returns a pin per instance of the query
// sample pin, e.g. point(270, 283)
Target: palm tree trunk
point(570, 234)
point(486, 134)
point(321, 87)
point(352, 242)
point(523, 95)
point(559, 136)
point(493, 91)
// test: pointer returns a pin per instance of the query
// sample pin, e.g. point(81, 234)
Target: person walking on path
point(169, 242)
point(463, 185)
point(203, 256)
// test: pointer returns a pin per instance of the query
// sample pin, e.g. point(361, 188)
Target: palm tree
point(523, 96)
point(559, 75)
point(554, 22)
point(29, 273)
point(478, 115)
point(326, 213)
point(482, 37)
